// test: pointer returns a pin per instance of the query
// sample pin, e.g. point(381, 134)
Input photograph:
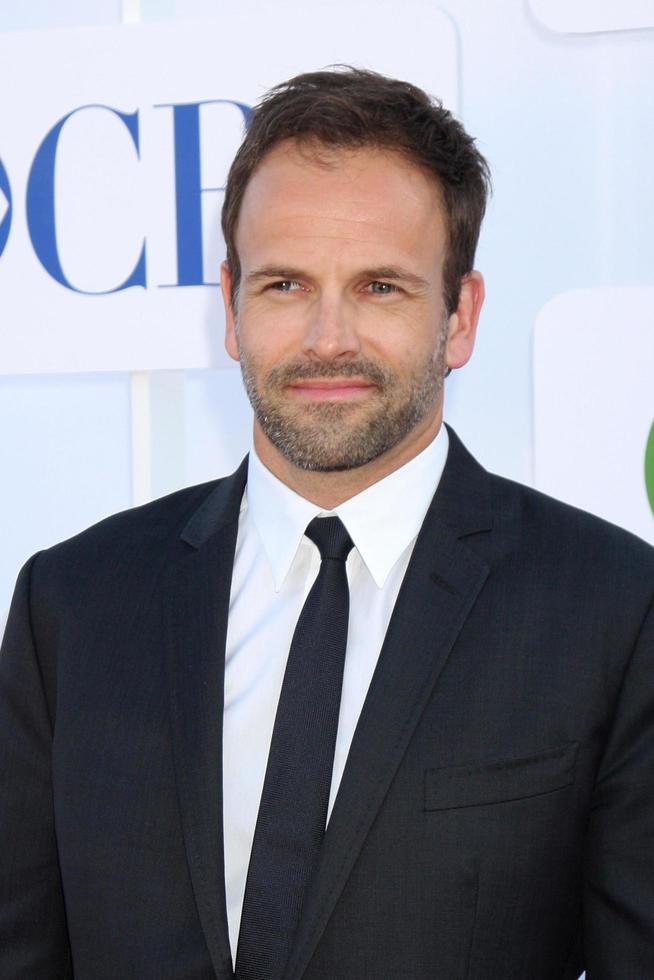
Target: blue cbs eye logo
point(5, 207)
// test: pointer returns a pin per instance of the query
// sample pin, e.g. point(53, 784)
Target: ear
point(462, 324)
point(230, 319)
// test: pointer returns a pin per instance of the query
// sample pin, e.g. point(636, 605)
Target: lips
point(330, 389)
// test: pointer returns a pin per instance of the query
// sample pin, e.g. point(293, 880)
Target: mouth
point(330, 389)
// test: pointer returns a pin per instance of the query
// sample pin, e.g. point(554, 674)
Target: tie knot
point(330, 535)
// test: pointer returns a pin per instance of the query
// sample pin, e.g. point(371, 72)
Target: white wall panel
point(212, 447)
point(115, 166)
point(65, 462)
point(589, 16)
point(65, 13)
point(594, 402)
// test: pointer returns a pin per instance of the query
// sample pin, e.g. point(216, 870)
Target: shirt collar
point(280, 515)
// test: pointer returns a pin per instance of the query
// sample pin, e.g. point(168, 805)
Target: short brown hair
point(350, 108)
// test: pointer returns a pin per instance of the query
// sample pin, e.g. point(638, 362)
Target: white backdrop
point(108, 399)
point(118, 245)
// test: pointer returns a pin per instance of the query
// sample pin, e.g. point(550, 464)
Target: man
point(452, 672)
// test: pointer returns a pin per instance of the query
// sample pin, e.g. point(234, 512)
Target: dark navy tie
point(293, 810)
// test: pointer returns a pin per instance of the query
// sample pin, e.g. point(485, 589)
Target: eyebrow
point(274, 272)
point(395, 273)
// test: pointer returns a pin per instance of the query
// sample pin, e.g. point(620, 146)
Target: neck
point(329, 489)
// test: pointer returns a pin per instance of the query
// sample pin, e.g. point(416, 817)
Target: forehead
point(308, 197)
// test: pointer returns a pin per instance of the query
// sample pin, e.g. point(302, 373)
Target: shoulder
point(121, 553)
point(565, 527)
point(527, 521)
point(572, 560)
point(148, 525)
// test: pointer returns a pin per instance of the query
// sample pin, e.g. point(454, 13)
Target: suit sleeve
point(33, 936)
point(619, 861)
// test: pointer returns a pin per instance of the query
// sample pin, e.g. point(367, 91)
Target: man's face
point(340, 325)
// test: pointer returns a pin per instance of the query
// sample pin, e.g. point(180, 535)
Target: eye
point(378, 288)
point(285, 286)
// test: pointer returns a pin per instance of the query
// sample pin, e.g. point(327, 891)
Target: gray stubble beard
point(319, 437)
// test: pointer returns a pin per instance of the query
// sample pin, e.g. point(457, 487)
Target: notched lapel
point(195, 607)
point(442, 582)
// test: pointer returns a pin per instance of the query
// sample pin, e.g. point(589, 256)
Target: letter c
point(40, 204)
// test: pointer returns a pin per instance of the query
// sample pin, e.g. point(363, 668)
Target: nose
point(331, 332)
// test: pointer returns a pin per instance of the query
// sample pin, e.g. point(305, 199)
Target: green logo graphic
point(649, 467)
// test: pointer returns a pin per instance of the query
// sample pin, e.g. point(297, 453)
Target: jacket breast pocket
point(499, 782)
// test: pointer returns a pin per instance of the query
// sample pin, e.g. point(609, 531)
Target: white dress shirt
point(275, 566)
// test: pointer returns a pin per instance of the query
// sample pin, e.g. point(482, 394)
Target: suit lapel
point(441, 584)
point(195, 608)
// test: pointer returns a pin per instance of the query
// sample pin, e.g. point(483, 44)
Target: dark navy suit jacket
point(496, 816)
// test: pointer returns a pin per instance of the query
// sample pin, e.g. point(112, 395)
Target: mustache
point(362, 367)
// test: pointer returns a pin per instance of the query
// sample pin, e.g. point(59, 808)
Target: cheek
point(269, 335)
point(400, 337)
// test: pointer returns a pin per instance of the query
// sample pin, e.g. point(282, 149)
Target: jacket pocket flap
point(498, 782)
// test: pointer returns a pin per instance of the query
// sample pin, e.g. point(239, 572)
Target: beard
point(331, 436)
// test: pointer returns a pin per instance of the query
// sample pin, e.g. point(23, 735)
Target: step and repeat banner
point(114, 147)
point(113, 160)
